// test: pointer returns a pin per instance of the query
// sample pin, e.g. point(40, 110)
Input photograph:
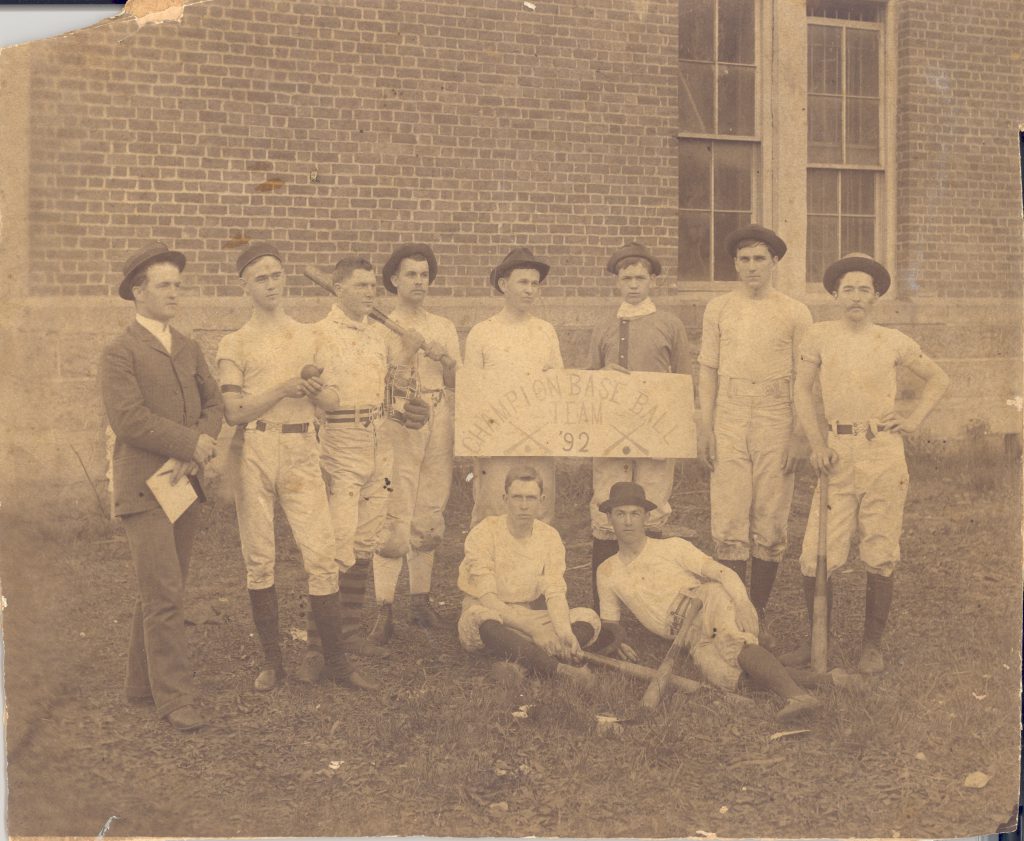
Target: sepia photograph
point(514, 418)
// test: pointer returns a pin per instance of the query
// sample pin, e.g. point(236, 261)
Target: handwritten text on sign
point(563, 412)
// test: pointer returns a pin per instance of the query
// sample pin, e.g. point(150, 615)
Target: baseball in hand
point(310, 371)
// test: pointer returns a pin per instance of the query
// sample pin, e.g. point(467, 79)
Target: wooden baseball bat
point(819, 623)
point(635, 670)
point(326, 282)
point(652, 695)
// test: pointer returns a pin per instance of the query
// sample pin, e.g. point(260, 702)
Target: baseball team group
point(348, 425)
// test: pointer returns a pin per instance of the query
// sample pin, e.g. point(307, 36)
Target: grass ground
point(439, 752)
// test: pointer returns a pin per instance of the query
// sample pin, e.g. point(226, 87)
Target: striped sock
point(352, 592)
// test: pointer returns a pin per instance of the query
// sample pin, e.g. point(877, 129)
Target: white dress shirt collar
point(159, 329)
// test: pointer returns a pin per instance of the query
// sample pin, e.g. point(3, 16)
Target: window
point(845, 132)
point(719, 149)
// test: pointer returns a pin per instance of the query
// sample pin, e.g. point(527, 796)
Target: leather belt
point(779, 387)
point(356, 414)
point(869, 429)
point(678, 611)
point(286, 428)
point(432, 395)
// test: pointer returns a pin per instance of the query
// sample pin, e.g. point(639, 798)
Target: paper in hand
point(174, 499)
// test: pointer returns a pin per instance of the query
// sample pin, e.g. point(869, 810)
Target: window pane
point(822, 245)
point(736, 31)
point(694, 245)
point(823, 59)
point(858, 235)
point(696, 30)
point(735, 100)
point(862, 62)
point(725, 224)
point(733, 177)
point(696, 97)
point(859, 193)
point(862, 146)
point(824, 130)
point(695, 174)
point(822, 191)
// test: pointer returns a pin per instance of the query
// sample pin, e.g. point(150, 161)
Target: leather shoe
point(363, 647)
point(269, 677)
point(311, 667)
point(185, 719)
point(357, 680)
point(423, 613)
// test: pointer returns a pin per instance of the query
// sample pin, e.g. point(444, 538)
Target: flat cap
point(138, 262)
point(254, 251)
point(632, 250)
point(410, 249)
point(857, 263)
point(776, 245)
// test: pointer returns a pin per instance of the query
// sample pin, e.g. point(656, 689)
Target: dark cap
point(633, 250)
point(776, 245)
point(626, 493)
point(399, 254)
point(253, 252)
point(857, 263)
point(154, 252)
point(518, 258)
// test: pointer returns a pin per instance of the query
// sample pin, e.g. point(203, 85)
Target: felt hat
point(857, 263)
point(399, 254)
point(776, 245)
point(154, 252)
point(634, 250)
point(626, 493)
point(253, 252)
point(518, 258)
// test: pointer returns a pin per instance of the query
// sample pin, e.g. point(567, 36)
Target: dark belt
point(286, 428)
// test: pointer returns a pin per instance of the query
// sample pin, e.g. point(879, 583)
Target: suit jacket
point(157, 404)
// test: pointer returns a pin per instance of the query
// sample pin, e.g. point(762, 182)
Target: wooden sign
point(565, 412)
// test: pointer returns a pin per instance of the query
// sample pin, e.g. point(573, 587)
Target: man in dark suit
point(162, 403)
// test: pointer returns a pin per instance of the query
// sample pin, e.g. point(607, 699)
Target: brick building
point(887, 127)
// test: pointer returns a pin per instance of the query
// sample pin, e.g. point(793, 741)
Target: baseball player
point(260, 368)
point(355, 450)
point(749, 435)
point(513, 340)
point(639, 337)
point(422, 471)
point(162, 404)
point(513, 575)
point(670, 584)
point(855, 361)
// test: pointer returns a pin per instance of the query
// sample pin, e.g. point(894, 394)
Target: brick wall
point(353, 126)
point(959, 98)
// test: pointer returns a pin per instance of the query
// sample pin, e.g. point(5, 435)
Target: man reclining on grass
point(513, 575)
point(669, 584)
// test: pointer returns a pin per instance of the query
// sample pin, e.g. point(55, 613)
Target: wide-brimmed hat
point(626, 493)
point(634, 250)
point(857, 263)
point(518, 258)
point(399, 254)
point(776, 244)
point(154, 252)
point(254, 251)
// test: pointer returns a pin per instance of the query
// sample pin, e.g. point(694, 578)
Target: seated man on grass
point(513, 577)
point(669, 584)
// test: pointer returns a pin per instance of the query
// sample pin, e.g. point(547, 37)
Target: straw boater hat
point(633, 250)
point(518, 258)
point(857, 263)
point(776, 245)
point(155, 252)
point(399, 254)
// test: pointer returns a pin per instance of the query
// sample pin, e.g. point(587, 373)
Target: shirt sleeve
point(687, 556)
point(555, 355)
point(553, 577)
point(611, 609)
point(681, 360)
point(229, 349)
point(596, 362)
point(810, 346)
point(476, 572)
point(451, 343)
point(474, 357)
point(907, 350)
point(711, 336)
point(801, 323)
